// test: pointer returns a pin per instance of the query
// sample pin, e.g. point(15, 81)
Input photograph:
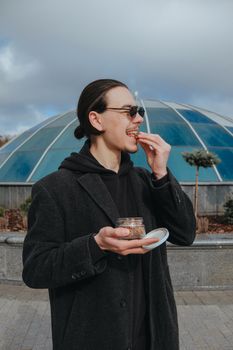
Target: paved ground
point(205, 318)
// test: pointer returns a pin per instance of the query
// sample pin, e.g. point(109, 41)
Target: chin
point(132, 149)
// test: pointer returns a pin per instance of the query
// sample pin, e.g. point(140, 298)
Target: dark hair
point(92, 98)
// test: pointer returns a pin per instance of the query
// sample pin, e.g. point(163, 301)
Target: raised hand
point(157, 152)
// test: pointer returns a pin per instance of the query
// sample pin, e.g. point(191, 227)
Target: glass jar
point(135, 226)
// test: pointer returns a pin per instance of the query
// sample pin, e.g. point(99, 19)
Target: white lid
point(161, 233)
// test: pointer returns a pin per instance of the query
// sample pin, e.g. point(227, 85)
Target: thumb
point(145, 147)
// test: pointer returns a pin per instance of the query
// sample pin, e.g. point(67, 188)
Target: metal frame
point(198, 110)
point(196, 134)
point(48, 148)
point(166, 104)
point(146, 116)
point(27, 139)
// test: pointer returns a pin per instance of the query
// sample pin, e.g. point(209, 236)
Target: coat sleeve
point(173, 209)
point(48, 260)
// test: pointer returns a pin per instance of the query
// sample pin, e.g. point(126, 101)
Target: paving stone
point(205, 319)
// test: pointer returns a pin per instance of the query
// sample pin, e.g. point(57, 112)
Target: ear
point(96, 120)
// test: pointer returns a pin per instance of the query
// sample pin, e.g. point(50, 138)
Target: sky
point(172, 50)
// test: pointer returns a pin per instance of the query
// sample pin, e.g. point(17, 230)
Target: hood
point(85, 162)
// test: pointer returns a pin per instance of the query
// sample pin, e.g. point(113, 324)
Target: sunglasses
point(132, 110)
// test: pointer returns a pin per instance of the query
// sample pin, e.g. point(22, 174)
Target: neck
point(107, 157)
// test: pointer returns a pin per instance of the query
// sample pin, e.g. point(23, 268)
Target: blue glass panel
point(175, 133)
point(195, 117)
point(182, 170)
point(225, 168)
point(45, 122)
point(42, 139)
point(19, 166)
point(68, 140)
point(50, 163)
point(3, 156)
point(66, 144)
point(230, 128)
point(163, 115)
point(66, 119)
point(185, 172)
point(214, 135)
point(143, 126)
point(139, 158)
point(22, 137)
point(16, 142)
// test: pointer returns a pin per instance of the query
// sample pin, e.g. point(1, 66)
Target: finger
point(135, 251)
point(156, 140)
point(152, 137)
point(145, 147)
point(152, 145)
point(120, 232)
point(155, 145)
point(106, 231)
point(146, 241)
point(123, 245)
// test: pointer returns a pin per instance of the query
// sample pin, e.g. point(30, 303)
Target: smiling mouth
point(132, 133)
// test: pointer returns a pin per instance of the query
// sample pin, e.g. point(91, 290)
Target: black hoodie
point(121, 191)
point(116, 183)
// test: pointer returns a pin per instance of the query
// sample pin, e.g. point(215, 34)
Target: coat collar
point(93, 184)
point(97, 190)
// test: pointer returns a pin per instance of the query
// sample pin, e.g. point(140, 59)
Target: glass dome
point(39, 150)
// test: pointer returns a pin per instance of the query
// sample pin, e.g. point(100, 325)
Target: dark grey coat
point(86, 298)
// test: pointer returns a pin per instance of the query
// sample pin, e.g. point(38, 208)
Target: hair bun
point(79, 132)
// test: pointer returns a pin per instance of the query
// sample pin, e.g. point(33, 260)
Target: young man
point(107, 292)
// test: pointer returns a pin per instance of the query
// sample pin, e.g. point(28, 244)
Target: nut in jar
point(135, 226)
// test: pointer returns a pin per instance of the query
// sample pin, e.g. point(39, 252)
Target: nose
point(138, 119)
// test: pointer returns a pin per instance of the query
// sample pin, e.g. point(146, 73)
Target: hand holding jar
point(135, 226)
point(121, 240)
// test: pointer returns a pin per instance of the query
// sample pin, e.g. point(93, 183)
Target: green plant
point(2, 210)
point(228, 213)
point(200, 158)
point(24, 207)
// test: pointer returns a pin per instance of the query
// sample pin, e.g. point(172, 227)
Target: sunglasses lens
point(141, 111)
point(135, 109)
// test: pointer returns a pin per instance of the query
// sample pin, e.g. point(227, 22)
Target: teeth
point(132, 132)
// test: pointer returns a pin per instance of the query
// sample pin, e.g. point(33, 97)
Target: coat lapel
point(97, 190)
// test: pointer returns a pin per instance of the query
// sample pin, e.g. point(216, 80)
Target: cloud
point(173, 50)
point(11, 69)
point(223, 106)
point(16, 123)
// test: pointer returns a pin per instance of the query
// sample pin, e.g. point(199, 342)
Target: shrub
point(2, 210)
point(24, 207)
point(228, 214)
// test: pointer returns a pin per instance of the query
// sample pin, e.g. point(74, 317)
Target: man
point(107, 292)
